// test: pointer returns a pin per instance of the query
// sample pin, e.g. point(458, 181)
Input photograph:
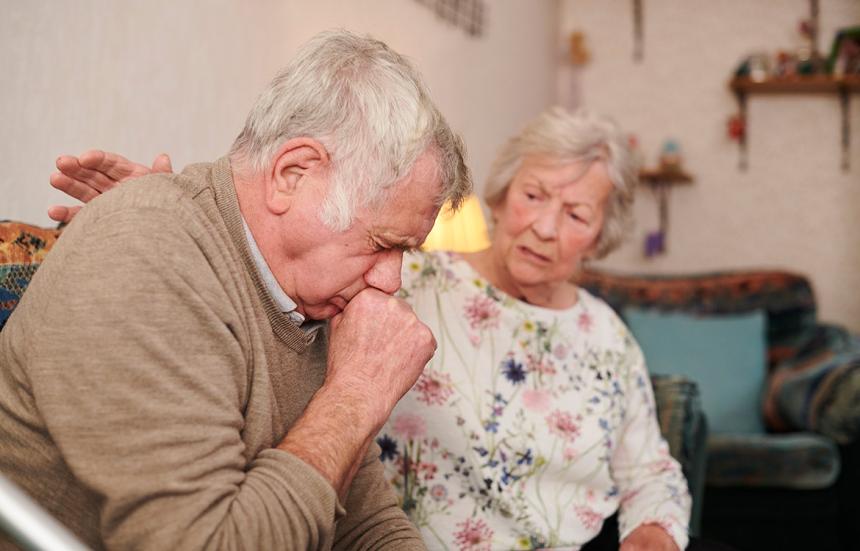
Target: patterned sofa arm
point(22, 249)
point(818, 389)
point(683, 425)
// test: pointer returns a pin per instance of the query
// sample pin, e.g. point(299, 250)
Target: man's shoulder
point(153, 196)
point(164, 189)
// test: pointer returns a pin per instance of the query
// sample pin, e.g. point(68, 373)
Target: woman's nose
point(545, 224)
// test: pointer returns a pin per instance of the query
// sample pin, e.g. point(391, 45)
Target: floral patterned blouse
point(529, 426)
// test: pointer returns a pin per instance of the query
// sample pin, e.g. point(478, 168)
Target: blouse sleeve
point(652, 487)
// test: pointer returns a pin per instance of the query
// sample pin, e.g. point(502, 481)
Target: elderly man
point(163, 383)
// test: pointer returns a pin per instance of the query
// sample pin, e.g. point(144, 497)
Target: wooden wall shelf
point(659, 176)
point(842, 87)
point(817, 84)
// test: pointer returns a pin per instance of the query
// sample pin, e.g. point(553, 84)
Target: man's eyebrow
point(404, 245)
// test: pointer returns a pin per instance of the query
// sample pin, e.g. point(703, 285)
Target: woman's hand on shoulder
point(93, 173)
point(649, 537)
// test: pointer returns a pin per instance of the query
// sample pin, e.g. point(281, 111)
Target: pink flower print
point(438, 492)
point(585, 322)
point(662, 466)
point(560, 351)
point(536, 400)
point(561, 424)
point(409, 426)
point(428, 470)
point(482, 312)
point(590, 518)
point(475, 339)
point(434, 388)
point(543, 366)
point(474, 535)
point(569, 454)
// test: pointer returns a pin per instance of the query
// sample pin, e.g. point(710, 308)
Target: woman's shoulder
point(602, 315)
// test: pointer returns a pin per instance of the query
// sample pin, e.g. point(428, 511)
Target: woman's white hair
point(367, 105)
point(571, 136)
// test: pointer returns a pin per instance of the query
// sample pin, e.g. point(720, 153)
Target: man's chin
point(322, 312)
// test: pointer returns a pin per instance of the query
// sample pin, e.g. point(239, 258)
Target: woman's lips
point(532, 254)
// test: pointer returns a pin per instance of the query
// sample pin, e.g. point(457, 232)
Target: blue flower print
point(513, 371)
point(388, 446)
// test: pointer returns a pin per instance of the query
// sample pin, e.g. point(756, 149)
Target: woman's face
point(550, 219)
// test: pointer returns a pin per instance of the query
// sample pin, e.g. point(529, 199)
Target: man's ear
point(291, 164)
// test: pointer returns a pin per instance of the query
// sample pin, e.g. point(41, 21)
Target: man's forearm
point(332, 436)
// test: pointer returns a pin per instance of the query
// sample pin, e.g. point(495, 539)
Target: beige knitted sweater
point(147, 374)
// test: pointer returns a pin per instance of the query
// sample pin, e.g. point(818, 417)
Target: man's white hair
point(369, 108)
point(571, 136)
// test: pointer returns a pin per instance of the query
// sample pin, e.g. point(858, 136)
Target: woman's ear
point(591, 253)
point(294, 161)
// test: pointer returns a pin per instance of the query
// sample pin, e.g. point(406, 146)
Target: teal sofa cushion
point(724, 354)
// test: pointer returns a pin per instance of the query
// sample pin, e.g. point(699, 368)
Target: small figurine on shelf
point(809, 61)
point(786, 64)
point(670, 157)
point(755, 66)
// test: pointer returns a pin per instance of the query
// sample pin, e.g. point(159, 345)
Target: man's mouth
point(339, 302)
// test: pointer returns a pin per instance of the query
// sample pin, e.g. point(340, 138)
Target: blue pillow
point(724, 354)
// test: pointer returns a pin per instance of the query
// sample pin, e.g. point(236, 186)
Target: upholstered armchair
point(785, 473)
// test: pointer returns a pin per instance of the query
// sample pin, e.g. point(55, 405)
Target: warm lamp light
point(463, 231)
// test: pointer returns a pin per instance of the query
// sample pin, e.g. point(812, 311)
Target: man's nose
point(385, 274)
point(545, 224)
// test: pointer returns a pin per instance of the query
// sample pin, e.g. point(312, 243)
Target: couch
point(23, 247)
point(794, 484)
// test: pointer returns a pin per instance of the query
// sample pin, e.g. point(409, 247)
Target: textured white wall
point(179, 76)
point(794, 208)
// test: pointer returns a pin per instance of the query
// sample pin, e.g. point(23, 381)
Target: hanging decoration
point(467, 15)
point(736, 128)
point(577, 52)
point(661, 180)
point(638, 42)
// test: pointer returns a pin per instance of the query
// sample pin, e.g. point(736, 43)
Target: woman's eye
point(577, 218)
point(531, 196)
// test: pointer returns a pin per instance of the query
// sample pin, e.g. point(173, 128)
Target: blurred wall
point(142, 77)
point(794, 208)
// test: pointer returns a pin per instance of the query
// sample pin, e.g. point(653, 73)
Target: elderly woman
point(535, 420)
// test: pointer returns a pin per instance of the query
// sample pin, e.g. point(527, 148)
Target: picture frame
point(844, 58)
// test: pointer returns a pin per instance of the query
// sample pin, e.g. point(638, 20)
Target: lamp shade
point(463, 231)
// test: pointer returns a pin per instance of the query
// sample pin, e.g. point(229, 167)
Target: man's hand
point(93, 173)
point(649, 537)
point(377, 351)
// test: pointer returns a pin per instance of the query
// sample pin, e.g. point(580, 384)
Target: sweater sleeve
point(141, 375)
point(651, 484)
point(374, 518)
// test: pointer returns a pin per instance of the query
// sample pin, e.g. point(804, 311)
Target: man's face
point(326, 269)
